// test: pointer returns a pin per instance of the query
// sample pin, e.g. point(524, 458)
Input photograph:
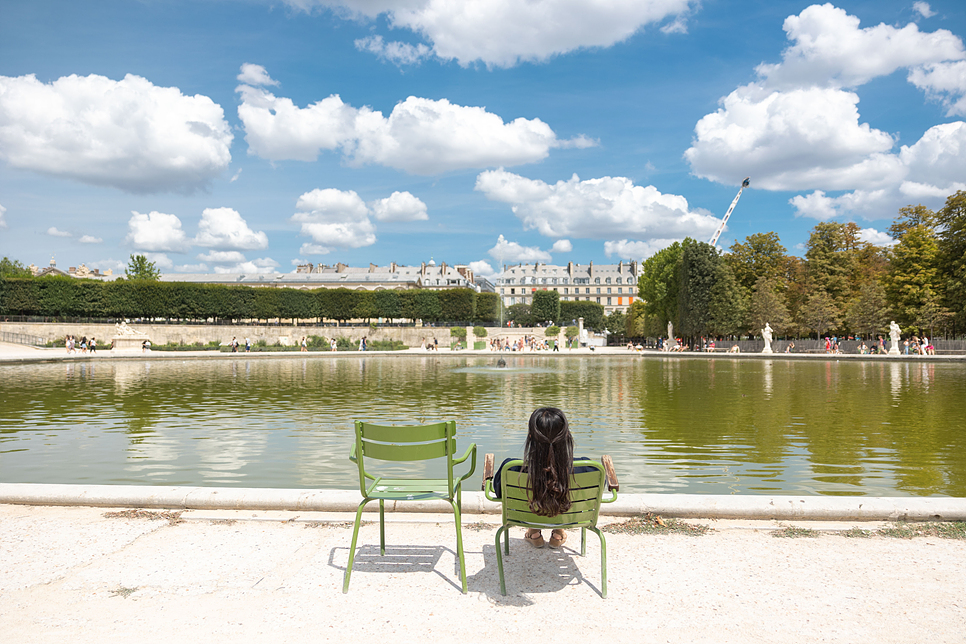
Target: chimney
point(373, 267)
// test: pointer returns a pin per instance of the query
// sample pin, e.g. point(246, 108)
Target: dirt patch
point(173, 518)
point(653, 524)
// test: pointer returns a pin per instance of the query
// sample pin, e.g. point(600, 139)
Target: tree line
point(842, 284)
point(65, 297)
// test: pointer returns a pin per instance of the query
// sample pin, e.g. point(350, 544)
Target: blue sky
point(249, 136)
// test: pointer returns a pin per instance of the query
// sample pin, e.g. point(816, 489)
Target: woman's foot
point(557, 538)
point(534, 537)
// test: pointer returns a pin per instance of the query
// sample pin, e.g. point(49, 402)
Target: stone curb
point(693, 506)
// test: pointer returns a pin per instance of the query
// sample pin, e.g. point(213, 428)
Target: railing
point(22, 338)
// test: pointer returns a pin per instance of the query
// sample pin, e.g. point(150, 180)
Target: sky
point(251, 136)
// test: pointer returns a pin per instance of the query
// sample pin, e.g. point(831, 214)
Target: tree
point(820, 313)
point(616, 323)
point(767, 307)
point(931, 314)
point(520, 314)
point(545, 306)
point(913, 272)
point(635, 320)
point(139, 268)
point(658, 284)
point(697, 275)
point(13, 268)
point(762, 255)
point(951, 225)
point(869, 314)
point(728, 304)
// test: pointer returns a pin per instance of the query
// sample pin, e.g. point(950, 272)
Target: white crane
point(717, 233)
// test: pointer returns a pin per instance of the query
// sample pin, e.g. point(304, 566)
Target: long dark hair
point(549, 455)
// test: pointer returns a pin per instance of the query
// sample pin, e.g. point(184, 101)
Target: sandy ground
point(73, 575)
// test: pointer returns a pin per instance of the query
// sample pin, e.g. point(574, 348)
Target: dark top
point(497, 478)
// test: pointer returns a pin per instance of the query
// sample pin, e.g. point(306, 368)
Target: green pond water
point(876, 428)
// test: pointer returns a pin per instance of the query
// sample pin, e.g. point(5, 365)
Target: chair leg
point(499, 555)
point(459, 544)
point(382, 527)
point(603, 563)
point(583, 542)
point(352, 547)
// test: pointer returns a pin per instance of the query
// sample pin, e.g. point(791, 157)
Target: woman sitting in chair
point(549, 457)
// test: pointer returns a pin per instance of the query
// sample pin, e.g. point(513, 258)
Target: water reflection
point(672, 425)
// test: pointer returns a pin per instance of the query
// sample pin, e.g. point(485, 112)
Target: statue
point(670, 336)
point(894, 333)
point(766, 335)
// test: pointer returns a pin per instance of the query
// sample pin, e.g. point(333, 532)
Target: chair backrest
point(404, 443)
point(586, 493)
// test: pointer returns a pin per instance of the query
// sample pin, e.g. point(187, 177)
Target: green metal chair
point(408, 443)
point(586, 496)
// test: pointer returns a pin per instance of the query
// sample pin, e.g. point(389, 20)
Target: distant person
point(788, 349)
point(93, 344)
point(304, 345)
point(248, 345)
point(234, 345)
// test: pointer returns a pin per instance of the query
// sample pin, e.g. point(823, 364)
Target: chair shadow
point(398, 559)
point(528, 571)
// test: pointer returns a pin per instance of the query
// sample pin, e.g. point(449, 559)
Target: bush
point(387, 345)
point(571, 332)
point(552, 331)
point(479, 331)
point(458, 332)
point(346, 344)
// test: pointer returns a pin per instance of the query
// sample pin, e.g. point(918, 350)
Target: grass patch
point(222, 522)
point(480, 526)
point(792, 532)
point(173, 518)
point(858, 533)
point(347, 525)
point(653, 524)
point(943, 530)
point(122, 592)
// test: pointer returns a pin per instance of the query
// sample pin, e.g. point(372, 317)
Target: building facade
point(613, 286)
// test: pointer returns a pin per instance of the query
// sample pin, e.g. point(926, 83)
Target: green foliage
point(552, 331)
point(139, 268)
point(545, 306)
point(592, 312)
point(11, 268)
point(728, 304)
point(767, 307)
point(337, 303)
point(698, 273)
point(571, 332)
point(820, 313)
point(421, 304)
point(869, 313)
point(458, 332)
point(388, 304)
point(659, 282)
point(951, 223)
point(456, 304)
point(519, 314)
point(365, 305)
point(914, 273)
point(488, 307)
point(761, 256)
point(616, 323)
point(387, 345)
point(479, 331)
point(346, 344)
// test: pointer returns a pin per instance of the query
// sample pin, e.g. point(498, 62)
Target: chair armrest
point(352, 453)
point(612, 482)
point(488, 491)
point(469, 450)
point(487, 469)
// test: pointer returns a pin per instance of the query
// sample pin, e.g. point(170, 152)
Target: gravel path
point(74, 575)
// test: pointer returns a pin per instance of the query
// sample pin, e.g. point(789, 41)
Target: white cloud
point(191, 268)
point(507, 252)
point(255, 75)
point(503, 33)
point(224, 228)
point(399, 206)
point(945, 82)
point(222, 257)
point(596, 208)
point(562, 246)
point(3, 224)
point(794, 140)
point(482, 268)
point(923, 9)
point(869, 203)
point(938, 158)
point(313, 249)
point(333, 218)
point(90, 239)
point(256, 266)
point(831, 50)
point(235, 176)
point(116, 266)
point(161, 260)
point(636, 250)
point(53, 232)
point(420, 136)
point(398, 53)
point(876, 237)
point(156, 231)
point(128, 134)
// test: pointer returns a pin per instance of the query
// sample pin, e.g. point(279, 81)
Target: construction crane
point(724, 222)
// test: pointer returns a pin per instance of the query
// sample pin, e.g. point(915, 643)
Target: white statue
point(670, 336)
point(766, 335)
point(894, 334)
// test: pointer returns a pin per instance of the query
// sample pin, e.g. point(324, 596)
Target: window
point(566, 280)
point(607, 281)
point(596, 280)
point(608, 301)
point(608, 289)
point(598, 300)
point(513, 291)
point(586, 290)
point(566, 290)
point(620, 290)
point(598, 293)
point(502, 291)
point(618, 280)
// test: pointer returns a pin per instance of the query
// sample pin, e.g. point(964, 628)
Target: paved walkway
point(74, 575)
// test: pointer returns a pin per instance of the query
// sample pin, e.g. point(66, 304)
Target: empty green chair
point(407, 443)
point(586, 495)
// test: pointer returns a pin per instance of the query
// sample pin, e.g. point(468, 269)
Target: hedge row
point(70, 297)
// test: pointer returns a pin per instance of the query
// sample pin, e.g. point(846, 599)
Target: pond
point(702, 426)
